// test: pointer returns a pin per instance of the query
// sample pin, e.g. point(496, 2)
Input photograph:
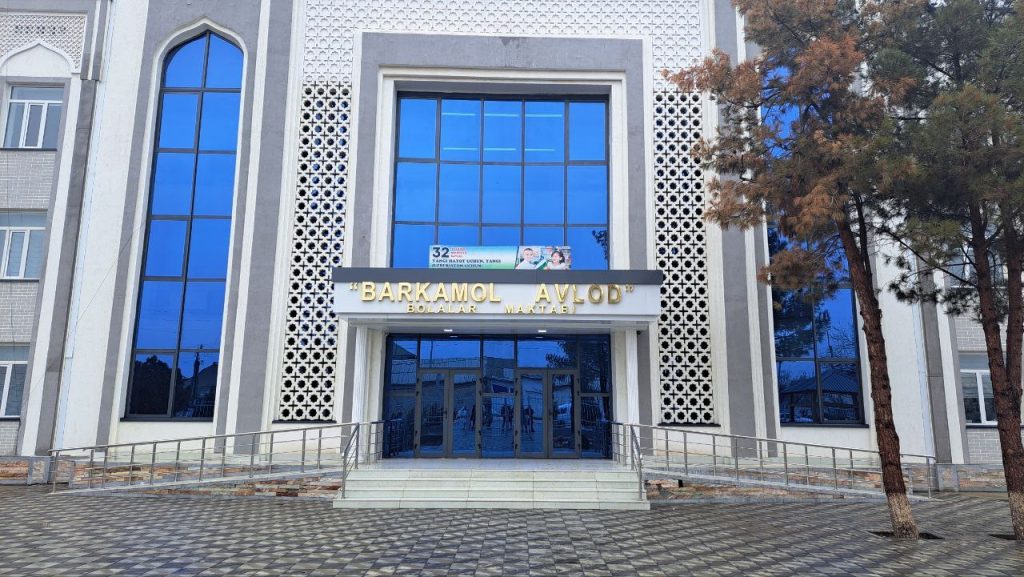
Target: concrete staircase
point(478, 485)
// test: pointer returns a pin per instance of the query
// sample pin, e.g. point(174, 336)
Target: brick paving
point(172, 535)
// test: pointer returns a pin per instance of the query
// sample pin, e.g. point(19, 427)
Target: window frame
point(184, 279)
point(6, 233)
point(982, 412)
point(566, 99)
point(5, 388)
point(46, 111)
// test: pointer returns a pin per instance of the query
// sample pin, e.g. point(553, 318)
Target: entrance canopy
point(497, 300)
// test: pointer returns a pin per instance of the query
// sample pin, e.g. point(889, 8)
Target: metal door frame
point(448, 399)
point(548, 452)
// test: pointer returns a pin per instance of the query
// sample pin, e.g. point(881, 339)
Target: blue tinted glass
point(208, 252)
point(544, 235)
point(172, 184)
point(459, 192)
point(589, 247)
point(204, 311)
point(417, 125)
point(412, 245)
point(178, 121)
point(502, 193)
point(595, 370)
point(547, 353)
point(545, 132)
point(450, 353)
point(798, 392)
point(415, 191)
point(215, 184)
point(165, 251)
point(158, 315)
point(219, 129)
point(151, 384)
point(196, 385)
point(402, 373)
point(460, 130)
point(185, 69)
point(544, 195)
point(586, 131)
point(503, 130)
point(224, 68)
point(840, 392)
point(499, 366)
point(835, 327)
point(458, 235)
point(794, 332)
point(500, 236)
point(588, 194)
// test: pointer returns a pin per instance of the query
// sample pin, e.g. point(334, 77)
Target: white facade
point(313, 191)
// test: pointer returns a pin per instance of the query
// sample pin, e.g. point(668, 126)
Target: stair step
point(459, 503)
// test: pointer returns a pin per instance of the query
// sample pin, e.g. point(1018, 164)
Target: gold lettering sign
point(456, 298)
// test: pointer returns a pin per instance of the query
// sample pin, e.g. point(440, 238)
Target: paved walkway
point(167, 535)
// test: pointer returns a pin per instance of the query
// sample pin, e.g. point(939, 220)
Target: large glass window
point(22, 244)
point(816, 352)
point(181, 304)
point(498, 171)
point(13, 366)
point(33, 117)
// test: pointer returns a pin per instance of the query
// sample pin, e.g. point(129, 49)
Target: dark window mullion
point(565, 172)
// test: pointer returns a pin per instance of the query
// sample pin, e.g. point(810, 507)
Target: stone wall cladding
point(8, 436)
point(17, 310)
point(26, 179)
point(674, 28)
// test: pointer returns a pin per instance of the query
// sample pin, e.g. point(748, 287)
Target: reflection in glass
point(501, 236)
point(545, 131)
point(972, 403)
point(543, 195)
point(185, 68)
point(834, 326)
point(460, 129)
point(166, 248)
point(16, 390)
point(415, 191)
point(794, 331)
point(531, 414)
point(499, 365)
point(595, 371)
point(432, 411)
point(208, 248)
point(497, 426)
point(464, 409)
point(586, 131)
point(195, 385)
point(402, 373)
point(202, 315)
point(417, 122)
point(215, 185)
point(178, 120)
point(551, 353)
point(595, 426)
point(840, 392)
point(589, 247)
point(458, 235)
point(798, 392)
point(399, 425)
point(224, 69)
point(412, 245)
point(585, 183)
point(503, 130)
point(172, 184)
point(151, 384)
point(459, 191)
point(544, 236)
point(159, 310)
point(219, 129)
point(563, 413)
point(450, 353)
point(502, 184)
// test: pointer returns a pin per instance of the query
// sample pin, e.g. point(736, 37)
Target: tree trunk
point(857, 256)
point(1006, 385)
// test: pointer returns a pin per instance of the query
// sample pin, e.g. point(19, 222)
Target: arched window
point(176, 349)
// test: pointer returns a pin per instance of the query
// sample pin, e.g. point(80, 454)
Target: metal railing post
point(760, 461)
point(666, 449)
point(270, 454)
point(55, 467)
point(177, 460)
point(714, 455)
point(910, 477)
point(131, 466)
point(223, 456)
point(686, 456)
point(785, 462)
point(736, 457)
point(92, 466)
point(202, 458)
point(319, 446)
point(835, 470)
point(807, 465)
point(152, 465)
point(252, 453)
point(357, 447)
point(302, 453)
point(103, 479)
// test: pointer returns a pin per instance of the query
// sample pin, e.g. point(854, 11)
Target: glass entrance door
point(548, 419)
point(447, 413)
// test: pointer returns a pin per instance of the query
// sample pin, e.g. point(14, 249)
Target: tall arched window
point(176, 348)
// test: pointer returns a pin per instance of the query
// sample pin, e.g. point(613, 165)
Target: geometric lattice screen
point(674, 27)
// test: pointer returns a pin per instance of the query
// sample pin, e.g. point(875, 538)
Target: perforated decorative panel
point(674, 27)
point(65, 32)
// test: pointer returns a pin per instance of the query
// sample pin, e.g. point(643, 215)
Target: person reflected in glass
point(528, 418)
point(557, 261)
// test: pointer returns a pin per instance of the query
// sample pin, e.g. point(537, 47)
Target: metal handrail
point(344, 458)
point(262, 453)
point(638, 458)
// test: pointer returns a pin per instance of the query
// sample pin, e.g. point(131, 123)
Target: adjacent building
point(240, 215)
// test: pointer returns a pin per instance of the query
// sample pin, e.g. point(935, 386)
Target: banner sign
point(532, 257)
